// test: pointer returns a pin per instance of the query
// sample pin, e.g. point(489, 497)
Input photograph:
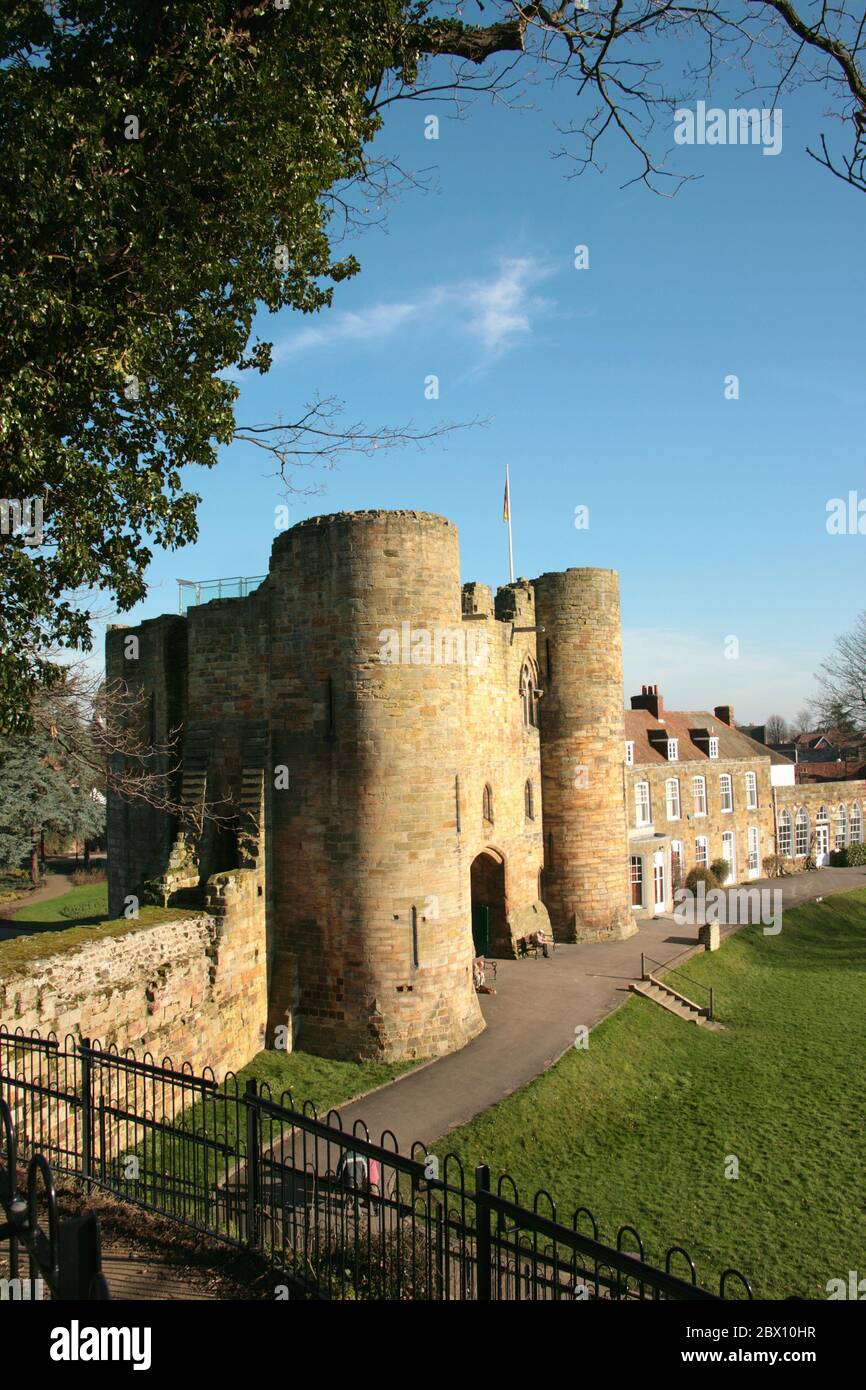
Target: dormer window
point(629, 752)
point(714, 748)
point(673, 750)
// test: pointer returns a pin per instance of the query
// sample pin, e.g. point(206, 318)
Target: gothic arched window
point(528, 697)
point(783, 837)
point(487, 804)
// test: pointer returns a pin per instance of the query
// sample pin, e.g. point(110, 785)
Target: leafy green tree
point(165, 171)
point(169, 168)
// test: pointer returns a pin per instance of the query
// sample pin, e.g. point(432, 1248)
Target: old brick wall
point(193, 989)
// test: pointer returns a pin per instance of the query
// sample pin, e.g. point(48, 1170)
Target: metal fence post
point(86, 1109)
point(483, 1276)
point(253, 1169)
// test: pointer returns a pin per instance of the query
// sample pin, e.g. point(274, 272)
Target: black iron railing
point(64, 1258)
point(339, 1214)
point(646, 973)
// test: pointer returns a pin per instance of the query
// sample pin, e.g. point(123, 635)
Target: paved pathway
point(532, 1017)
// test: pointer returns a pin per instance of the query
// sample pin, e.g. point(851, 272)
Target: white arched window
point(642, 808)
point(672, 798)
point(841, 839)
point(751, 792)
point(856, 833)
point(801, 833)
point(699, 792)
point(783, 835)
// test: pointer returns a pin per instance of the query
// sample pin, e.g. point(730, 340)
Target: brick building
point(415, 772)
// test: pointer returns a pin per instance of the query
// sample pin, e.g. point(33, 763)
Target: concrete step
point(674, 1003)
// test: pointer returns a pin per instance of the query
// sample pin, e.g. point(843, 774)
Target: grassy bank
point(642, 1126)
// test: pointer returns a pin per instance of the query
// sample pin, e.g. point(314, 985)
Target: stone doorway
point(490, 933)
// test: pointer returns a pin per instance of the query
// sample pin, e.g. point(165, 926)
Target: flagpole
point(510, 545)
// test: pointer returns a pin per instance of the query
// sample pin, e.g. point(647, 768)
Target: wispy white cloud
point(374, 324)
point(504, 308)
point(495, 312)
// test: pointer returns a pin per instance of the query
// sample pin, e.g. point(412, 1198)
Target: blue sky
point(602, 387)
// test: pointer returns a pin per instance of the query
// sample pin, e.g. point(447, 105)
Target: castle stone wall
point(582, 741)
point(193, 989)
point(502, 751)
point(367, 895)
point(148, 676)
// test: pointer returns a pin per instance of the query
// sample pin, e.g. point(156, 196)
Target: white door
point(730, 853)
point(658, 884)
point(754, 852)
point(822, 843)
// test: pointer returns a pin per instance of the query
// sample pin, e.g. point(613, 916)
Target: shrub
point(775, 865)
point(850, 854)
point(721, 869)
point(88, 876)
point(700, 875)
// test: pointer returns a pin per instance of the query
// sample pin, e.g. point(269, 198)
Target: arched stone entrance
point(490, 933)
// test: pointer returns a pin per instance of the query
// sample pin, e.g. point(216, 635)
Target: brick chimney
point(649, 699)
point(725, 713)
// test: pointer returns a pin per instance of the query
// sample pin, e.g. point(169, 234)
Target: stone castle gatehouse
point(408, 772)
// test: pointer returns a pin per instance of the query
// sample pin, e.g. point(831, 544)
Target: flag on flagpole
point(506, 516)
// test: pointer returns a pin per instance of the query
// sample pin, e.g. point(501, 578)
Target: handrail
point(666, 965)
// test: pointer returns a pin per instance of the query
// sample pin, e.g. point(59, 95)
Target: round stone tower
point(586, 887)
point(366, 718)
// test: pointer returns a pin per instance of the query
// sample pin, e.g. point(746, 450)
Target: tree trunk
point(34, 864)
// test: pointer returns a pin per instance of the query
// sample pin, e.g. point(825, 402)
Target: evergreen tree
point(40, 792)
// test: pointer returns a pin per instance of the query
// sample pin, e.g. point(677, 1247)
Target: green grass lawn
point(638, 1127)
point(325, 1082)
point(78, 907)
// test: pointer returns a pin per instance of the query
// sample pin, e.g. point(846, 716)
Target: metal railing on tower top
point(191, 592)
